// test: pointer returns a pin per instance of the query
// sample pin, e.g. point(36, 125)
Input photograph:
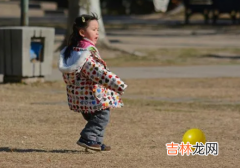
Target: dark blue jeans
point(96, 124)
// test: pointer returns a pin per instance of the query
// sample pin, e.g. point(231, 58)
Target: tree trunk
point(73, 11)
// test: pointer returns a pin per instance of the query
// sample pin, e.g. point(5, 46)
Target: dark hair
point(80, 22)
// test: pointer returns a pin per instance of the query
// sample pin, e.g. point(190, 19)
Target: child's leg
point(105, 115)
point(97, 122)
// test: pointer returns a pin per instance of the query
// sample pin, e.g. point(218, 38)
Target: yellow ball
point(193, 136)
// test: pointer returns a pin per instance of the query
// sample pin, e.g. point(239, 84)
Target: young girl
point(91, 88)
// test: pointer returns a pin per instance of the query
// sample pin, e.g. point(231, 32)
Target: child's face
point(91, 32)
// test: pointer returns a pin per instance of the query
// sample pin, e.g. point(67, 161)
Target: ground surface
point(38, 130)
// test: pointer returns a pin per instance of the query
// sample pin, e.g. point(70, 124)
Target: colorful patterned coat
point(90, 85)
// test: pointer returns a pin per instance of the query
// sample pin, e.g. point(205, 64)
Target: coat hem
point(99, 109)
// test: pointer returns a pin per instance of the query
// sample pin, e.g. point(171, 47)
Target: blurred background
point(46, 8)
point(42, 10)
point(141, 32)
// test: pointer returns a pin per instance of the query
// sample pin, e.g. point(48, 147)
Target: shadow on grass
point(222, 57)
point(7, 149)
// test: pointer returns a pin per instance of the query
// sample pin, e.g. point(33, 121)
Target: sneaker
point(89, 144)
point(104, 147)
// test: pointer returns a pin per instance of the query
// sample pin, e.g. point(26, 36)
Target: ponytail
point(73, 41)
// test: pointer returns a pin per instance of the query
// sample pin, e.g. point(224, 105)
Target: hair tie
point(83, 19)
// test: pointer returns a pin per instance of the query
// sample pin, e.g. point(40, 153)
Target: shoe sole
point(88, 147)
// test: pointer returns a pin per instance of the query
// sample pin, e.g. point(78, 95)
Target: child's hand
point(97, 73)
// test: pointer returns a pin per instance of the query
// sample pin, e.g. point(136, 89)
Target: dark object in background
point(125, 7)
point(141, 7)
point(213, 7)
point(117, 7)
point(110, 7)
point(232, 7)
point(61, 4)
point(197, 6)
point(174, 4)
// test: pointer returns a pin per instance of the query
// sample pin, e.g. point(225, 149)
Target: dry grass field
point(170, 57)
point(177, 57)
point(38, 130)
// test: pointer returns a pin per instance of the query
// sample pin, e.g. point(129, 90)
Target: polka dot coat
point(90, 85)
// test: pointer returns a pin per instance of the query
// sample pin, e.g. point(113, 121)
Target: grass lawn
point(38, 130)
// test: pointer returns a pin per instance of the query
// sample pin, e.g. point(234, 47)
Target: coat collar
point(90, 41)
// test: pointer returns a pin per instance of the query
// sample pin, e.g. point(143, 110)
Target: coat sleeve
point(97, 73)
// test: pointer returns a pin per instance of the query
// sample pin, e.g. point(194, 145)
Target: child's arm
point(97, 73)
